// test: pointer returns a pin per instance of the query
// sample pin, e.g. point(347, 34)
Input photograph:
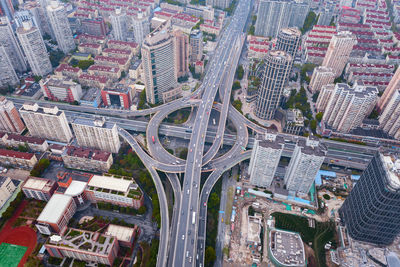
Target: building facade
point(17, 159)
point(338, 52)
point(320, 77)
point(8, 76)
point(181, 46)
point(271, 17)
point(348, 106)
point(371, 212)
point(49, 123)
point(324, 96)
point(96, 26)
point(265, 159)
point(158, 59)
point(87, 159)
point(393, 86)
point(118, 22)
point(10, 121)
point(10, 44)
point(39, 188)
point(196, 46)
point(389, 121)
point(59, 23)
point(97, 134)
point(274, 75)
point(7, 189)
point(141, 27)
point(288, 40)
point(61, 89)
point(304, 165)
point(33, 46)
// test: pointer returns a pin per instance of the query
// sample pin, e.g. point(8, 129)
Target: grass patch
point(229, 204)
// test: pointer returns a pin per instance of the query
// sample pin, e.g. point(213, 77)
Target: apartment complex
point(389, 121)
point(10, 44)
point(304, 165)
point(324, 96)
point(97, 134)
point(265, 159)
point(393, 86)
point(158, 59)
point(10, 121)
point(84, 245)
point(348, 106)
point(118, 191)
point(87, 159)
point(196, 46)
point(34, 143)
point(17, 159)
point(141, 27)
point(273, 77)
point(46, 122)
point(56, 214)
point(8, 75)
point(288, 40)
point(338, 52)
point(181, 47)
point(61, 89)
point(33, 46)
point(59, 23)
point(118, 21)
point(39, 188)
point(320, 77)
point(371, 211)
point(7, 189)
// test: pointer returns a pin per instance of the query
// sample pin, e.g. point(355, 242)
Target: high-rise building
point(158, 55)
point(222, 4)
point(265, 159)
point(298, 13)
point(45, 18)
point(32, 43)
point(10, 121)
point(118, 23)
point(371, 212)
point(7, 8)
point(141, 27)
point(181, 45)
point(60, 25)
point(389, 121)
point(46, 122)
point(97, 134)
point(393, 86)
point(348, 106)
point(320, 77)
point(34, 10)
point(338, 52)
point(10, 44)
point(304, 165)
point(288, 40)
point(61, 89)
point(196, 46)
point(96, 26)
point(8, 76)
point(273, 77)
point(324, 96)
point(271, 17)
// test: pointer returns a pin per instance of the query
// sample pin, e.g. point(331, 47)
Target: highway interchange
point(182, 241)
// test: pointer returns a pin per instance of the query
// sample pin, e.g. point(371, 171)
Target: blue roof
point(318, 178)
point(355, 177)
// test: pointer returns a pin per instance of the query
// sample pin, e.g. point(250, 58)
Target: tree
point(142, 99)
point(236, 85)
point(238, 105)
point(313, 125)
point(239, 72)
point(209, 256)
point(374, 114)
point(37, 78)
point(85, 64)
point(252, 30)
point(142, 210)
point(315, 97)
point(319, 116)
point(55, 57)
point(183, 153)
point(309, 22)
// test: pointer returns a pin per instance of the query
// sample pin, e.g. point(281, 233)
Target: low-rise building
point(110, 72)
point(84, 245)
point(58, 88)
point(34, 143)
point(91, 48)
point(17, 159)
point(88, 38)
point(7, 189)
point(293, 122)
point(117, 52)
point(56, 214)
point(68, 71)
point(94, 81)
point(122, 63)
point(118, 191)
point(210, 29)
point(87, 159)
point(92, 98)
point(135, 70)
point(39, 188)
point(120, 96)
point(134, 47)
point(124, 235)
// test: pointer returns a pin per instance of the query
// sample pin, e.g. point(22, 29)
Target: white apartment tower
point(118, 22)
point(46, 122)
point(389, 121)
point(59, 23)
point(265, 159)
point(158, 57)
point(324, 96)
point(8, 76)
point(217, 3)
point(97, 134)
point(141, 27)
point(32, 43)
point(10, 44)
point(348, 106)
point(304, 165)
point(320, 77)
point(338, 52)
point(10, 121)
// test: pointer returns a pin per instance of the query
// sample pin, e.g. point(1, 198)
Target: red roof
point(88, 153)
point(90, 45)
point(16, 154)
point(122, 43)
point(103, 68)
point(66, 67)
point(117, 51)
point(119, 61)
point(100, 79)
point(27, 139)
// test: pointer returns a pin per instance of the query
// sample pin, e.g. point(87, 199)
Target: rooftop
point(111, 183)
point(55, 208)
point(38, 183)
point(16, 154)
point(287, 247)
point(100, 122)
point(26, 139)
point(75, 188)
point(121, 233)
point(91, 94)
point(392, 165)
point(88, 153)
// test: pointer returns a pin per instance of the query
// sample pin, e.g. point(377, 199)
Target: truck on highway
point(152, 138)
point(194, 217)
